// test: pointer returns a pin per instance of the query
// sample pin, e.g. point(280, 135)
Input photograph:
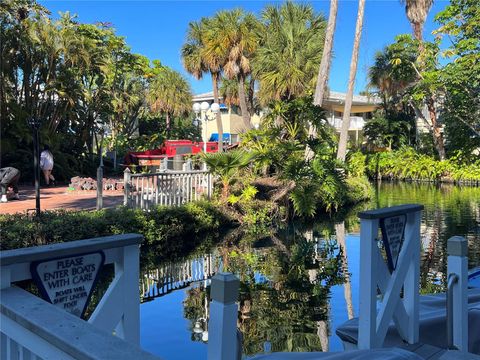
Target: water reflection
point(299, 284)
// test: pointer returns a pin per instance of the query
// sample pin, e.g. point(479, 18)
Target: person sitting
point(9, 177)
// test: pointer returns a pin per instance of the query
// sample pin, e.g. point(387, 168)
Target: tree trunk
point(250, 98)
point(167, 123)
point(219, 114)
point(324, 70)
point(436, 129)
point(342, 145)
point(243, 102)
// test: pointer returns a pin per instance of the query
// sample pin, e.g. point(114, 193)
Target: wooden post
point(457, 248)
point(126, 187)
point(222, 342)
point(400, 236)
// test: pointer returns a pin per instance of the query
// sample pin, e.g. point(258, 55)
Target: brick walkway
point(59, 198)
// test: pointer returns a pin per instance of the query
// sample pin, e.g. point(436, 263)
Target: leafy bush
point(407, 164)
point(359, 189)
point(170, 229)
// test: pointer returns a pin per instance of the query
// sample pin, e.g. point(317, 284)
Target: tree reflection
point(284, 291)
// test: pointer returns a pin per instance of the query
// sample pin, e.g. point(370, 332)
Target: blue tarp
point(214, 137)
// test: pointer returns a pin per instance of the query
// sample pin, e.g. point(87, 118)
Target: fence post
point(209, 186)
point(457, 301)
point(400, 236)
point(100, 187)
point(126, 187)
point(222, 343)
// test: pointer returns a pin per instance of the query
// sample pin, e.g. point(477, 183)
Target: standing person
point(9, 177)
point(46, 164)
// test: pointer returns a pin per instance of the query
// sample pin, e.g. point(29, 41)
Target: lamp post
point(101, 130)
point(35, 123)
point(201, 115)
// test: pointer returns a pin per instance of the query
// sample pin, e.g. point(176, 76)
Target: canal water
point(299, 285)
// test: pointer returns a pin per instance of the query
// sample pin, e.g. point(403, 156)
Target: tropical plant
point(286, 63)
point(389, 129)
point(169, 94)
point(226, 166)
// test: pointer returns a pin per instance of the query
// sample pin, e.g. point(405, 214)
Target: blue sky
point(157, 29)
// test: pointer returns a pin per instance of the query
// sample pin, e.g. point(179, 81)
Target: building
point(362, 109)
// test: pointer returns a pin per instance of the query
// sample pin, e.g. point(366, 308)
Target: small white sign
point(68, 282)
point(392, 235)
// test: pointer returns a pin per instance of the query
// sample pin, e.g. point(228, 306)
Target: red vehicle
point(169, 149)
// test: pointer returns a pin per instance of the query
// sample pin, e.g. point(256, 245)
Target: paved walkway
point(59, 198)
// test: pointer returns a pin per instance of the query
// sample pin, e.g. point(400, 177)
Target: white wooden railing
point(32, 328)
point(168, 188)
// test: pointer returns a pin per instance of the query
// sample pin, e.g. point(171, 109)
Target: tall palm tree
point(417, 11)
point(234, 35)
point(342, 144)
point(324, 70)
point(197, 60)
point(169, 94)
point(292, 41)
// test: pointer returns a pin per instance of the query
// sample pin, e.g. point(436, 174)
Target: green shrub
point(169, 229)
point(359, 189)
point(407, 164)
point(356, 164)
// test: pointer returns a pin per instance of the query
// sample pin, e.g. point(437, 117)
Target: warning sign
point(393, 229)
point(68, 282)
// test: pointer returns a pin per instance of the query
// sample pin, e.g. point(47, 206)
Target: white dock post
point(400, 234)
point(222, 342)
point(457, 308)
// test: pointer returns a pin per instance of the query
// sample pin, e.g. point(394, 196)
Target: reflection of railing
point(164, 279)
point(170, 188)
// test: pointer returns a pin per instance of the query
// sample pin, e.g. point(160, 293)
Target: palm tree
point(342, 145)
point(170, 94)
point(226, 166)
point(417, 11)
point(324, 70)
point(197, 60)
point(292, 41)
point(233, 36)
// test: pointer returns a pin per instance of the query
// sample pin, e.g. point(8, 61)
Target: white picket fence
point(168, 188)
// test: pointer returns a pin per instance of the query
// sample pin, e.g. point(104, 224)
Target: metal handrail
point(452, 280)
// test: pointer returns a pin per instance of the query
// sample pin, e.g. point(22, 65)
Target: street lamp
point(35, 123)
point(200, 111)
point(101, 129)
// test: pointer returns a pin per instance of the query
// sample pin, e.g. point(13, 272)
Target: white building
point(362, 109)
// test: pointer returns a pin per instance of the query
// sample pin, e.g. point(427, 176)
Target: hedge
point(172, 230)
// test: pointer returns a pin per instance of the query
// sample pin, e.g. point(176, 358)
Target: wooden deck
point(430, 352)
